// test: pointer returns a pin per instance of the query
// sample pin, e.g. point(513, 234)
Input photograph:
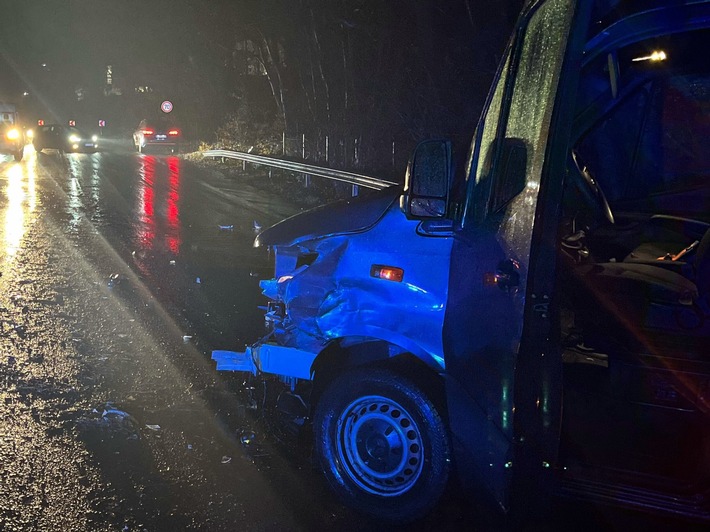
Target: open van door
point(503, 367)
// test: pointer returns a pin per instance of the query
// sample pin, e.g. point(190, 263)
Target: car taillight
point(173, 132)
point(147, 131)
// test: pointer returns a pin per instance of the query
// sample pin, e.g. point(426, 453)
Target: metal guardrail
point(308, 169)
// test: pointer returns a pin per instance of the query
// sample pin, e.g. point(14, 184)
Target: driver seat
point(642, 306)
point(675, 239)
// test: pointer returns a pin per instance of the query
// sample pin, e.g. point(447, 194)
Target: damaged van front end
point(341, 279)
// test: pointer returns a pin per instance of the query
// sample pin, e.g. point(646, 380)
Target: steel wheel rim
point(380, 446)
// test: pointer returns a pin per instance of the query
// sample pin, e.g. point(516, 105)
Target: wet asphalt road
point(117, 281)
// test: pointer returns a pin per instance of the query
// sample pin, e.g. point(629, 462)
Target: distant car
point(64, 138)
point(12, 140)
point(160, 132)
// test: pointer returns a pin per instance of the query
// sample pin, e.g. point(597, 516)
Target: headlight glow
point(13, 134)
point(74, 138)
point(30, 134)
point(94, 138)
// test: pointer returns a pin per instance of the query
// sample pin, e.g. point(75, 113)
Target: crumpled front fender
point(339, 296)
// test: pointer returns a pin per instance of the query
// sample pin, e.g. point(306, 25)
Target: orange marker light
point(490, 279)
point(388, 273)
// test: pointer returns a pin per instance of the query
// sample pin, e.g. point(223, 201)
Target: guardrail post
point(303, 147)
point(356, 190)
point(283, 143)
point(326, 149)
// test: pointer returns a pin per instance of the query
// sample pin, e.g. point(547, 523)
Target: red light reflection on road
point(156, 197)
point(174, 239)
point(146, 199)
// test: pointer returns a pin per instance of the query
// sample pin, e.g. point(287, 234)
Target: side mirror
point(428, 180)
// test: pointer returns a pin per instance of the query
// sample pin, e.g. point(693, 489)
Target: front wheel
point(382, 444)
point(18, 154)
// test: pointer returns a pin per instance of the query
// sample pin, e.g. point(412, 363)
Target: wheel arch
point(348, 354)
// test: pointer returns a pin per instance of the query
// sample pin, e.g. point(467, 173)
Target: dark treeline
point(354, 76)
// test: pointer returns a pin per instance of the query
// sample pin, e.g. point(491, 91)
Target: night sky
point(77, 39)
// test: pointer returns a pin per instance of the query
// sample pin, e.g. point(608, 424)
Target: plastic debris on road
point(111, 422)
point(186, 338)
point(153, 427)
point(247, 437)
point(226, 459)
point(198, 280)
point(113, 280)
point(226, 228)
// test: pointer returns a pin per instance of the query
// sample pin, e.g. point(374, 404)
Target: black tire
point(382, 445)
point(18, 154)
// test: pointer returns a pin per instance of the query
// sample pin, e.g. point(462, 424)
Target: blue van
point(536, 325)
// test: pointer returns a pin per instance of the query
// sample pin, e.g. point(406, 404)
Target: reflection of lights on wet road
point(21, 200)
point(146, 197)
point(173, 237)
point(155, 196)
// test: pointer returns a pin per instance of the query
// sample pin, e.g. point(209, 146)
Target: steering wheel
point(591, 188)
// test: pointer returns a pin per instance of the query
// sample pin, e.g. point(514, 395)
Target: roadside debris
point(247, 437)
point(114, 279)
point(111, 421)
point(226, 459)
point(186, 338)
point(226, 228)
point(153, 427)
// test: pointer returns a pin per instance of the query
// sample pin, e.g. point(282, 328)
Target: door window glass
point(528, 116)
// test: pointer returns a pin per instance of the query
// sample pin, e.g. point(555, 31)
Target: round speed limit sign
point(166, 106)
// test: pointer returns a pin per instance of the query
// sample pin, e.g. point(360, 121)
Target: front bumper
point(267, 358)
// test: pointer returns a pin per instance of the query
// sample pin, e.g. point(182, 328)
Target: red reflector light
point(173, 132)
point(388, 273)
point(148, 131)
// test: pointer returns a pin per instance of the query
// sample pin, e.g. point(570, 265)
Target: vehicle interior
point(635, 269)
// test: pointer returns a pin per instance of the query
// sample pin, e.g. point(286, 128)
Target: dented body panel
point(324, 289)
